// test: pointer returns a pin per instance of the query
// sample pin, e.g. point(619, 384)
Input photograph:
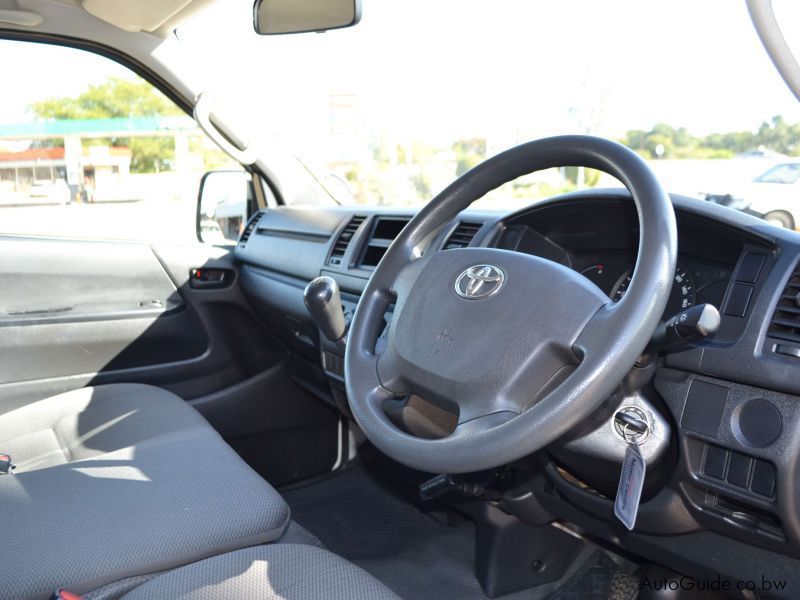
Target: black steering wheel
point(519, 347)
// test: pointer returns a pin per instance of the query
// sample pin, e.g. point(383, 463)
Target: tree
point(775, 134)
point(780, 136)
point(116, 98)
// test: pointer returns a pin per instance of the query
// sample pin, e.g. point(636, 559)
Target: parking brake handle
point(324, 304)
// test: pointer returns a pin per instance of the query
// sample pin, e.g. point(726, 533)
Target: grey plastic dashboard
point(289, 246)
point(714, 393)
point(298, 241)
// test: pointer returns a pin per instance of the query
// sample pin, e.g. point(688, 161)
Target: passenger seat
point(118, 481)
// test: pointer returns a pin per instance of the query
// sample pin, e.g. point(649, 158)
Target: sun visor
point(135, 15)
point(24, 18)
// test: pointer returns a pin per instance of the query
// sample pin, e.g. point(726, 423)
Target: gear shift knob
point(324, 303)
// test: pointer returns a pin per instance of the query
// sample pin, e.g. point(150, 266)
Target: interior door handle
point(210, 278)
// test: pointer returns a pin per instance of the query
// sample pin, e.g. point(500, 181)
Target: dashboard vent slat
point(248, 231)
point(785, 323)
point(343, 241)
point(462, 235)
point(794, 310)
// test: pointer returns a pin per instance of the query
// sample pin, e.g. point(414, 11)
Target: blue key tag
point(631, 482)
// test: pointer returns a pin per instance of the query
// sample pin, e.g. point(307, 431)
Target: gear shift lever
point(324, 303)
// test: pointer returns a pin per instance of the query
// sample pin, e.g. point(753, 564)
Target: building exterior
point(89, 172)
point(39, 175)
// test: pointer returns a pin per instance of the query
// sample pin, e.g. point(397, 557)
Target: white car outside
point(774, 195)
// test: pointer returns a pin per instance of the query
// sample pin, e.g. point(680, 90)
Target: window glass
point(390, 111)
point(94, 151)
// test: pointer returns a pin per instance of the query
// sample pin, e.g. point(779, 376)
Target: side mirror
point(273, 17)
point(223, 206)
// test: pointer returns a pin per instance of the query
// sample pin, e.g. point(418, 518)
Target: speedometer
point(681, 297)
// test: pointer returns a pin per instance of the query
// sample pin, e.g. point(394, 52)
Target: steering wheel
point(520, 348)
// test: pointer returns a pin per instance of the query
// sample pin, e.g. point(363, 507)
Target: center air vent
point(343, 241)
point(462, 235)
point(248, 231)
point(785, 324)
point(384, 230)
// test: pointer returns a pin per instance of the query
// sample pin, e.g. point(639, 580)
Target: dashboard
point(731, 478)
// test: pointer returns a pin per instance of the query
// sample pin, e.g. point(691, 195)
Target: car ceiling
point(157, 17)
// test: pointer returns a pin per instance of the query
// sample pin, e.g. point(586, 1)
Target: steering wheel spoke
point(483, 423)
point(390, 375)
point(597, 333)
point(406, 279)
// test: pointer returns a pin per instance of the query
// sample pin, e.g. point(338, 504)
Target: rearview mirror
point(223, 206)
point(272, 17)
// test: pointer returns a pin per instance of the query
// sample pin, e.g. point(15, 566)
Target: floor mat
point(358, 517)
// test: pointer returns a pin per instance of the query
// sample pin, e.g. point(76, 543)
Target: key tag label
point(631, 482)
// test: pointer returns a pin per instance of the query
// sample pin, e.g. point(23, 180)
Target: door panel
point(74, 313)
point(35, 351)
point(65, 281)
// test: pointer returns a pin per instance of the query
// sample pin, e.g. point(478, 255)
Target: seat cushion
point(92, 421)
point(117, 481)
point(277, 572)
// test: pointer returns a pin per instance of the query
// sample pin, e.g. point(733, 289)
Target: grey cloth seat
point(117, 481)
point(276, 572)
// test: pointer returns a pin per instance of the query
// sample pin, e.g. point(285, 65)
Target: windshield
point(392, 110)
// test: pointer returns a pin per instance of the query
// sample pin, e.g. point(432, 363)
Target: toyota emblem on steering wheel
point(479, 281)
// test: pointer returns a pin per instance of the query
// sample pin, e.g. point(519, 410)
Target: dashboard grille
point(785, 324)
point(343, 241)
point(248, 231)
point(462, 235)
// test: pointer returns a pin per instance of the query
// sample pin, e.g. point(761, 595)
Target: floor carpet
point(358, 516)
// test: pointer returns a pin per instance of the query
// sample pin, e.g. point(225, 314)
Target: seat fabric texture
point(276, 572)
point(117, 481)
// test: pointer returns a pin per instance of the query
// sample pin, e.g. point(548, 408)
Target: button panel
point(739, 470)
point(705, 405)
point(716, 462)
point(739, 300)
point(750, 267)
point(763, 478)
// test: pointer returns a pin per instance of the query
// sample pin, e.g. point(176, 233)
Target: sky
point(447, 69)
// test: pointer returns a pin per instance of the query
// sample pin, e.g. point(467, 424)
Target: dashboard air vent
point(462, 235)
point(383, 232)
point(248, 231)
point(340, 247)
point(785, 324)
